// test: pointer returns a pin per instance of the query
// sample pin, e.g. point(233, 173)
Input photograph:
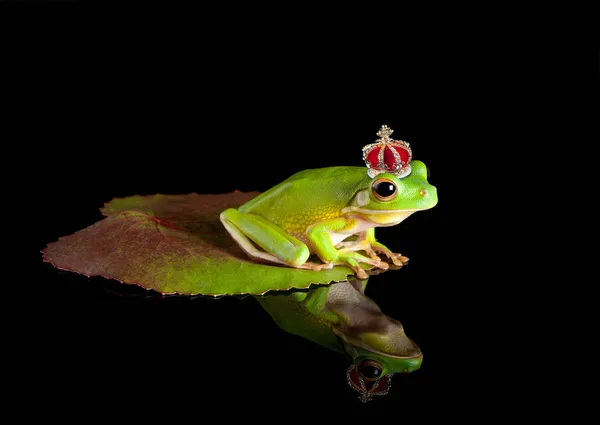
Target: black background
point(115, 103)
point(248, 136)
point(148, 118)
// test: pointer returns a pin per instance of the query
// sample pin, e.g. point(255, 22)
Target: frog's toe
point(397, 259)
point(378, 263)
point(327, 266)
point(375, 257)
point(361, 274)
point(351, 260)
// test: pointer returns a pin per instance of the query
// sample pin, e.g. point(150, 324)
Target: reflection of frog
point(314, 211)
point(341, 318)
point(175, 244)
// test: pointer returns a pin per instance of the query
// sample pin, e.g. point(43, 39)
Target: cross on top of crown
point(385, 133)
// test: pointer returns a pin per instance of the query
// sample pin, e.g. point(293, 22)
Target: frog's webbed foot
point(353, 258)
point(354, 246)
point(398, 259)
point(372, 248)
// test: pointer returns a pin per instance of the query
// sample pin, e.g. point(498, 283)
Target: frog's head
point(377, 347)
point(387, 200)
point(383, 350)
point(371, 373)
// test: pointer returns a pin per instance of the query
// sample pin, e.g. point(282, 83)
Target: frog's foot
point(363, 245)
point(352, 259)
point(398, 259)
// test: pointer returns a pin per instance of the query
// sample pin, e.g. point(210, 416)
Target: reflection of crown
point(368, 389)
point(387, 155)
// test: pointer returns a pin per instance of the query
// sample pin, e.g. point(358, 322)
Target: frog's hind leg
point(279, 247)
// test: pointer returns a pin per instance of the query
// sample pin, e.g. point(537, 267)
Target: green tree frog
point(317, 211)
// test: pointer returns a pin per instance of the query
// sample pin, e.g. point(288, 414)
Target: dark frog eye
point(370, 370)
point(384, 189)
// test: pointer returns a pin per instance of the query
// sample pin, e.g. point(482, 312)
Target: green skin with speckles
point(308, 214)
point(341, 318)
point(314, 212)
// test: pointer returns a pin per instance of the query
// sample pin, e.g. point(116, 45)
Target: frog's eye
point(370, 370)
point(384, 189)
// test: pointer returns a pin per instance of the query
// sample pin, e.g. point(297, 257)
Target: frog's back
point(307, 197)
point(329, 173)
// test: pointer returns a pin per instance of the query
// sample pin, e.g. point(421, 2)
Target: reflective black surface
point(108, 344)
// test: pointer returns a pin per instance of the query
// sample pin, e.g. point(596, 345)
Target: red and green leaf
point(176, 244)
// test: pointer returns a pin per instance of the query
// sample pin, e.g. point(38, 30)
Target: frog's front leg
point(358, 244)
point(397, 259)
point(320, 235)
point(367, 242)
point(279, 247)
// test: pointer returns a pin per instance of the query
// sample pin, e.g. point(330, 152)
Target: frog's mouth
point(382, 217)
point(408, 351)
point(368, 211)
point(390, 218)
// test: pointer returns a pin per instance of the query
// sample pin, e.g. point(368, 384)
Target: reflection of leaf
point(176, 244)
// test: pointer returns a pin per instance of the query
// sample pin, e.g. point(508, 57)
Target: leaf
point(176, 244)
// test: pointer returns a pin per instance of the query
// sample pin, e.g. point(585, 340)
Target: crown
point(368, 389)
point(387, 155)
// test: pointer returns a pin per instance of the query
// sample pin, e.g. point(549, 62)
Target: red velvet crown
point(387, 155)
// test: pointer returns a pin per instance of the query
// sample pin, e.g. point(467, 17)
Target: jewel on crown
point(387, 155)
